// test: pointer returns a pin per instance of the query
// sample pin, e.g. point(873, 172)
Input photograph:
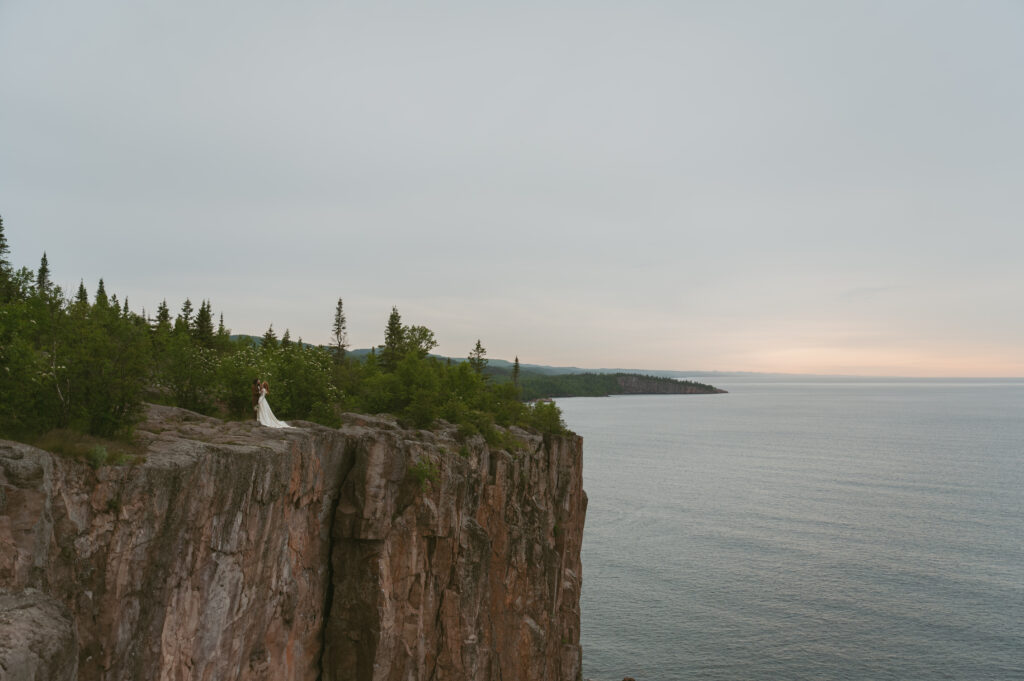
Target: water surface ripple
point(805, 531)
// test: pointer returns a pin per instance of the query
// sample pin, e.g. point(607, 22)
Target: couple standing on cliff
point(262, 408)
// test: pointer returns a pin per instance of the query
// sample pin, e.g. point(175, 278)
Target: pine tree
point(124, 311)
point(515, 372)
point(102, 303)
point(202, 330)
point(43, 283)
point(270, 338)
point(286, 339)
point(163, 317)
point(339, 332)
point(394, 341)
point(223, 339)
point(82, 297)
point(185, 317)
point(477, 358)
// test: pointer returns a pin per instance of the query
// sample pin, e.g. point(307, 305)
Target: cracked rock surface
point(240, 552)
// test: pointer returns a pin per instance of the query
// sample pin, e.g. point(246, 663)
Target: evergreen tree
point(270, 338)
point(82, 297)
point(222, 341)
point(114, 304)
point(515, 372)
point(394, 341)
point(339, 332)
point(102, 303)
point(477, 358)
point(184, 320)
point(286, 339)
point(202, 330)
point(43, 283)
point(163, 317)
point(124, 310)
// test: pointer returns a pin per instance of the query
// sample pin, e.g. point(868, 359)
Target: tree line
point(89, 363)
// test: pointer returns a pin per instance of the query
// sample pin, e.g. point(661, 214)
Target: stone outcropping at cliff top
point(240, 552)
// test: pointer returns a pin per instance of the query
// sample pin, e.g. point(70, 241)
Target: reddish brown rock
point(239, 552)
point(37, 639)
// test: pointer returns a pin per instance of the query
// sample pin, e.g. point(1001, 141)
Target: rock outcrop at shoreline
point(238, 552)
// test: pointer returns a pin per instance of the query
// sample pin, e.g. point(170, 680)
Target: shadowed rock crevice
point(349, 462)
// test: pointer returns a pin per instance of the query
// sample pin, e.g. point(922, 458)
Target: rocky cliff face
point(239, 552)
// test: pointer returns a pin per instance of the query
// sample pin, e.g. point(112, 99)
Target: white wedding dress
point(265, 415)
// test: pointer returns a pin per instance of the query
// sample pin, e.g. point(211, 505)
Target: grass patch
point(95, 451)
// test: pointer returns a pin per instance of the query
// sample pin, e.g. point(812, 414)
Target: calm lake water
point(805, 531)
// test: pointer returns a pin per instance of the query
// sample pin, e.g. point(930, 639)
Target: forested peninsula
point(537, 385)
point(77, 366)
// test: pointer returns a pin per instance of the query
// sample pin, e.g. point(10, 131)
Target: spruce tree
point(477, 358)
point(339, 332)
point(43, 283)
point(270, 338)
point(394, 341)
point(202, 330)
point(82, 297)
point(515, 372)
point(185, 317)
point(286, 339)
point(163, 317)
point(102, 302)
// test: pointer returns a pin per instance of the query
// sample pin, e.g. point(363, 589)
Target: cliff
point(239, 552)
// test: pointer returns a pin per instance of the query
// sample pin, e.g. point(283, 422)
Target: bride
point(263, 413)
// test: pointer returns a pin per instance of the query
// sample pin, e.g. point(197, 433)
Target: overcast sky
point(830, 187)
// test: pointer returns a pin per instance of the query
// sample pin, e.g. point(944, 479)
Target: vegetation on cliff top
point(71, 362)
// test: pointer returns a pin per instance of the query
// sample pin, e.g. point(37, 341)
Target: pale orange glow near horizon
point(882, 362)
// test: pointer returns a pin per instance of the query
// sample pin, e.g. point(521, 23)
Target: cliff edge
point(234, 552)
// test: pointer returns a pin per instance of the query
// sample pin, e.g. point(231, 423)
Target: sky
point(810, 187)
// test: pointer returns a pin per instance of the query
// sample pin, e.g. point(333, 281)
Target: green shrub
point(424, 472)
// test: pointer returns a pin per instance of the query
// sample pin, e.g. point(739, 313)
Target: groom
point(255, 398)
